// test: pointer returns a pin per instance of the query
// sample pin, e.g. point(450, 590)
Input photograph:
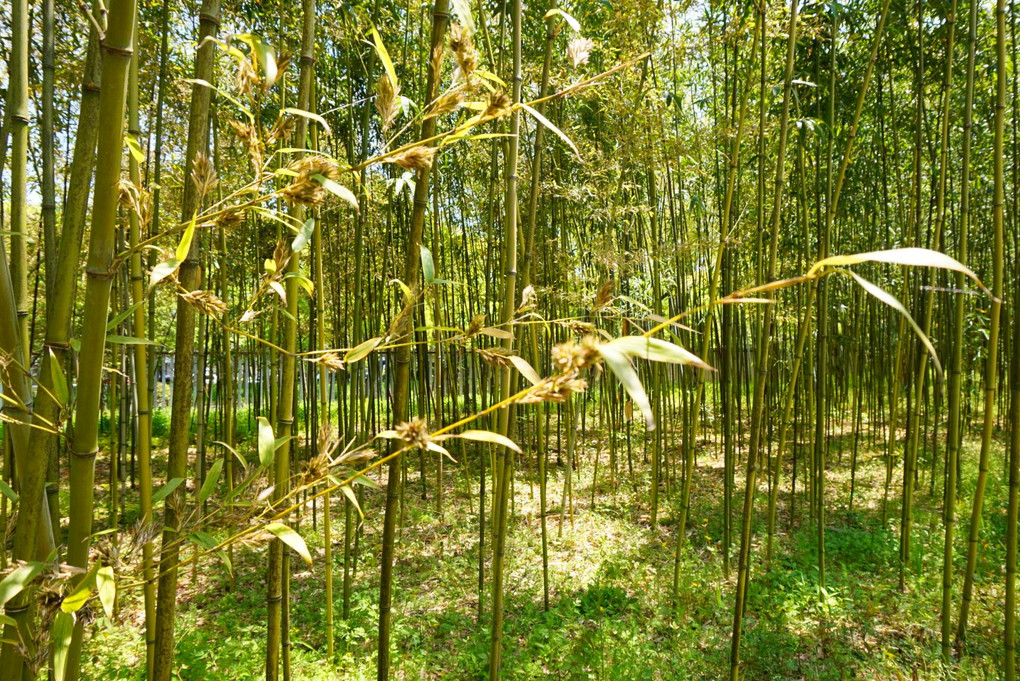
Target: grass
point(611, 614)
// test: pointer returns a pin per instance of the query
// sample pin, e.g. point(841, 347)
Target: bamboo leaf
point(337, 190)
point(184, 247)
point(77, 598)
point(365, 481)
point(526, 369)
point(434, 446)
point(211, 479)
point(166, 489)
point(163, 270)
point(226, 95)
point(240, 459)
point(892, 302)
point(547, 123)
point(106, 584)
point(63, 627)
point(625, 373)
point(8, 492)
point(309, 115)
point(384, 57)
point(113, 323)
point(912, 257)
point(134, 147)
point(278, 290)
point(129, 340)
point(489, 436)
point(267, 442)
point(462, 8)
point(304, 235)
point(21, 577)
point(428, 266)
point(362, 350)
point(60, 390)
point(574, 23)
point(292, 539)
point(353, 498)
point(502, 334)
point(657, 350)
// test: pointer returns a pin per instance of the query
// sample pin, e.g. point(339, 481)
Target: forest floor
point(611, 612)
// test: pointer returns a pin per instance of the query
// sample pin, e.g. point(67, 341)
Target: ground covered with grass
point(611, 610)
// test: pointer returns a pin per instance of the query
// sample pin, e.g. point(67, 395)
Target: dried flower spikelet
point(477, 322)
point(204, 176)
point(282, 129)
point(205, 301)
point(315, 469)
point(247, 76)
point(250, 136)
point(556, 389)
point(230, 219)
point(447, 102)
point(281, 254)
point(331, 361)
point(605, 294)
point(529, 300)
point(126, 194)
point(415, 158)
point(499, 104)
point(578, 51)
point(495, 356)
point(569, 357)
point(306, 188)
point(579, 327)
point(387, 100)
point(326, 440)
point(414, 432)
point(463, 49)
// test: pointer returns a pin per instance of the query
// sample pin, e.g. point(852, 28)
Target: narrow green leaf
point(211, 479)
point(428, 267)
point(549, 124)
point(489, 436)
point(309, 115)
point(384, 57)
point(129, 340)
point(8, 492)
point(14, 583)
point(113, 323)
point(163, 270)
point(912, 257)
point(106, 584)
point(304, 235)
point(526, 369)
point(292, 539)
point(63, 627)
point(60, 390)
point(134, 147)
point(337, 190)
point(362, 349)
point(166, 489)
point(184, 247)
point(574, 23)
point(81, 594)
point(349, 493)
point(267, 442)
point(892, 302)
point(625, 373)
point(657, 350)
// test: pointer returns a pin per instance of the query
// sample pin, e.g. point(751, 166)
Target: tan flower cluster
point(570, 356)
point(415, 158)
point(463, 49)
point(249, 136)
point(205, 301)
point(387, 100)
point(203, 175)
point(414, 432)
point(306, 189)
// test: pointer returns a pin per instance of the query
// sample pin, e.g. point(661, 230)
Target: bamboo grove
point(330, 304)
